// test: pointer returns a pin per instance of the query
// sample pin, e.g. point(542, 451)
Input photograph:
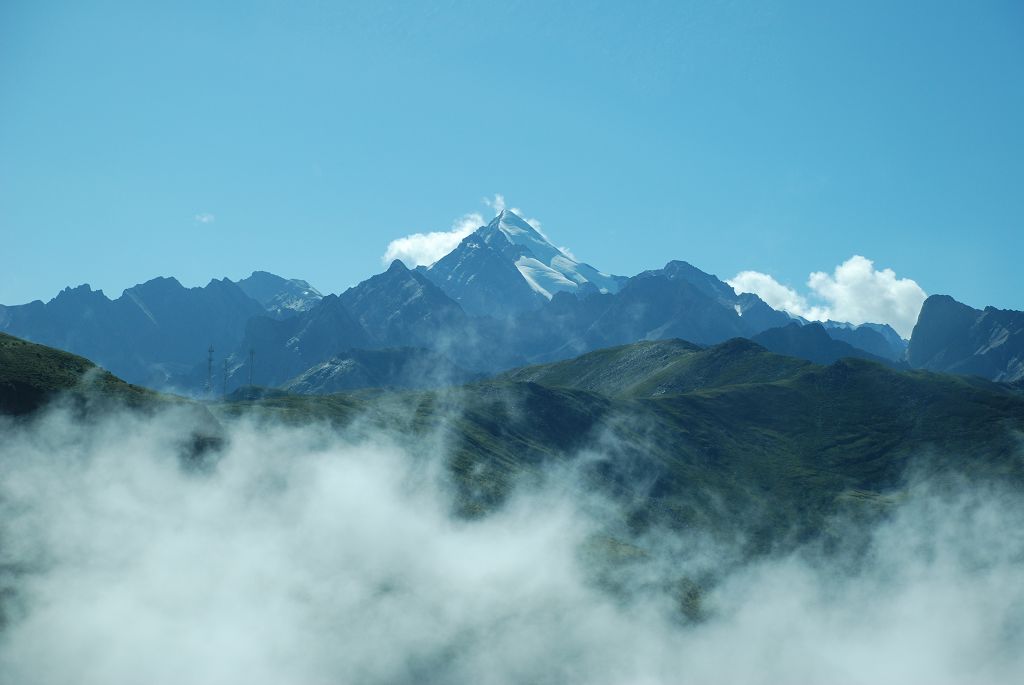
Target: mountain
point(505, 297)
point(880, 340)
point(756, 314)
point(953, 337)
point(283, 348)
point(662, 367)
point(32, 375)
point(508, 267)
point(404, 367)
point(679, 301)
point(397, 308)
point(280, 297)
point(152, 333)
point(690, 438)
point(814, 343)
point(403, 308)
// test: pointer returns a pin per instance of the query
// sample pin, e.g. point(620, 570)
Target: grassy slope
point(690, 437)
point(31, 375)
point(662, 367)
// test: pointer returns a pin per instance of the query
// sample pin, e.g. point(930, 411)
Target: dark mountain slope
point(403, 308)
point(878, 339)
point(403, 367)
point(813, 343)
point(155, 331)
point(398, 308)
point(285, 348)
point(679, 301)
point(480, 274)
point(280, 297)
point(952, 337)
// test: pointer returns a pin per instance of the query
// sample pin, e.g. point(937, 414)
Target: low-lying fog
point(303, 558)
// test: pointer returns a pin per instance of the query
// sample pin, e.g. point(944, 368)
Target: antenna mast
point(252, 360)
point(224, 390)
point(209, 370)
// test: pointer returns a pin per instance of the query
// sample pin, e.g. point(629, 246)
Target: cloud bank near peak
point(426, 248)
point(855, 291)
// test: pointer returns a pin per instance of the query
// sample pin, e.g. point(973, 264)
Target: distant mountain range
point(504, 297)
point(153, 334)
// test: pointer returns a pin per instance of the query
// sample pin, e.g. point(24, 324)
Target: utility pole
point(252, 360)
point(209, 371)
point(224, 390)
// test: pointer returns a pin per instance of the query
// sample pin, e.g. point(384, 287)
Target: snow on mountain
point(547, 269)
point(507, 266)
point(280, 296)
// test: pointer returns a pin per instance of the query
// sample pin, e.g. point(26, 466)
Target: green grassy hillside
point(727, 437)
point(662, 367)
point(31, 375)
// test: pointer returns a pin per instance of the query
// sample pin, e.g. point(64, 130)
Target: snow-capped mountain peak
point(508, 266)
point(544, 267)
point(519, 232)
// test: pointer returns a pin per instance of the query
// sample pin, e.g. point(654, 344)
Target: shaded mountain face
point(880, 340)
point(283, 348)
point(508, 267)
point(953, 337)
point(403, 308)
point(404, 367)
point(503, 298)
point(655, 305)
point(814, 343)
point(679, 301)
point(155, 331)
point(398, 308)
point(280, 297)
point(158, 333)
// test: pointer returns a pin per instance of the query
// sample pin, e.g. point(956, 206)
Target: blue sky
point(209, 139)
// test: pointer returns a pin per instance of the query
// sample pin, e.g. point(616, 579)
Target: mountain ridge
point(507, 267)
point(484, 304)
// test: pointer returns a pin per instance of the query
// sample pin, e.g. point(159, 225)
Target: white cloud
point(308, 555)
point(205, 218)
point(775, 294)
point(855, 291)
point(497, 203)
point(426, 248)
